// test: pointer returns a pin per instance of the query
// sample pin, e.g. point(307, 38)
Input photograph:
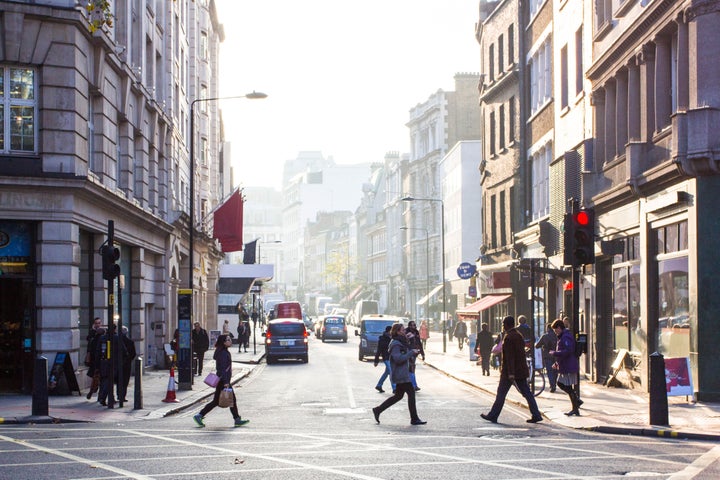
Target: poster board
point(678, 377)
point(62, 379)
point(214, 334)
point(616, 367)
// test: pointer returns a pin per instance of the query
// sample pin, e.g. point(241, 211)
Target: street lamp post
point(427, 258)
point(185, 369)
point(410, 198)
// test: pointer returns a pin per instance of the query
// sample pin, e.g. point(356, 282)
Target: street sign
point(472, 291)
point(466, 270)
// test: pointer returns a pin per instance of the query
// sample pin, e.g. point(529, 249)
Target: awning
point(482, 304)
point(427, 297)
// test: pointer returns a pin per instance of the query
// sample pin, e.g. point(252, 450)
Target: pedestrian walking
point(460, 333)
point(223, 368)
point(382, 353)
point(90, 357)
point(127, 362)
point(525, 330)
point(548, 343)
point(566, 364)
point(200, 345)
point(485, 343)
point(400, 354)
point(243, 331)
point(109, 350)
point(514, 371)
point(413, 336)
point(424, 333)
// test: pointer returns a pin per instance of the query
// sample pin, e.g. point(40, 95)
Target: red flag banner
point(228, 223)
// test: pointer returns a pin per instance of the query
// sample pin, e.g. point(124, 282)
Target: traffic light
point(110, 255)
point(583, 235)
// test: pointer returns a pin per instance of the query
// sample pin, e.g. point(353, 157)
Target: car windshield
point(334, 321)
point(287, 329)
point(377, 326)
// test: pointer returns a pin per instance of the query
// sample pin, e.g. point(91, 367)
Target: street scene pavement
point(605, 409)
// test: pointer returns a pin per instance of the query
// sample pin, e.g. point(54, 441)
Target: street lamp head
point(408, 198)
point(256, 95)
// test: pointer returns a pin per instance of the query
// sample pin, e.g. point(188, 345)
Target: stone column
point(646, 60)
point(633, 100)
point(598, 101)
point(683, 74)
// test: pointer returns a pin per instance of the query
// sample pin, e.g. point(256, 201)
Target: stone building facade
point(97, 129)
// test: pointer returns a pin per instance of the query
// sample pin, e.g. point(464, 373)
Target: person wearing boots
point(566, 364)
point(400, 353)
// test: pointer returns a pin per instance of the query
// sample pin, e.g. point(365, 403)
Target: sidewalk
point(609, 410)
point(74, 408)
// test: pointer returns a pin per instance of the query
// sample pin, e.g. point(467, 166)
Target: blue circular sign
point(466, 270)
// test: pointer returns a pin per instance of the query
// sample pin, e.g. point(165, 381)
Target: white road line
point(75, 458)
point(349, 383)
point(304, 465)
point(698, 465)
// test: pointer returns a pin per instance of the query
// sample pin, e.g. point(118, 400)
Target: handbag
point(497, 349)
point(212, 379)
point(226, 398)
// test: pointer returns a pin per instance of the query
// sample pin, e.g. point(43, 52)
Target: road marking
point(349, 383)
point(294, 463)
point(697, 466)
point(75, 458)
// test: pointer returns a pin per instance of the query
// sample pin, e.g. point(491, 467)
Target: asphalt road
point(313, 421)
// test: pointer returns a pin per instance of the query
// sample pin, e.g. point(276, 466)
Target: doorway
point(16, 334)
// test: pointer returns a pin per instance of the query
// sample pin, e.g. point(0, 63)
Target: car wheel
point(360, 356)
point(270, 360)
point(304, 359)
point(323, 340)
point(344, 340)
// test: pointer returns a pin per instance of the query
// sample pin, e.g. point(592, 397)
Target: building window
point(628, 331)
point(491, 65)
point(19, 110)
point(579, 76)
point(503, 220)
point(673, 328)
point(603, 14)
point(493, 226)
point(511, 120)
point(540, 76)
point(492, 133)
point(540, 168)
point(203, 46)
point(501, 63)
point(502, 127)
point(511, 44)
point(563, 77)
point(535, 6)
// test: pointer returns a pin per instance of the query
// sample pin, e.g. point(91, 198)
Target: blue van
point(286, 338)
point(371, 327)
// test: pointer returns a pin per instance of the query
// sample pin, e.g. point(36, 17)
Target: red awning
point(228, 223)
point(482, 304)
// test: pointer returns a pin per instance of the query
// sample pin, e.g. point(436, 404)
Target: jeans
point(502, 391)
point(385, 375)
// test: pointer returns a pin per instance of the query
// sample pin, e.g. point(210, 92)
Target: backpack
point(580, 345)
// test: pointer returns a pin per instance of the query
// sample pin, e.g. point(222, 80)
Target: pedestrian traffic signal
point(583, 235)
point(110, 255)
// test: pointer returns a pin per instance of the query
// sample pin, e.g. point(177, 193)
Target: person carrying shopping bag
point(223, 367)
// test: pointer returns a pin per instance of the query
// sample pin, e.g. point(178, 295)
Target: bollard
point(658, 391)
point(40, 388)
point(138, 384)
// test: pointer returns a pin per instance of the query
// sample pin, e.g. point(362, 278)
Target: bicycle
point(536, 380)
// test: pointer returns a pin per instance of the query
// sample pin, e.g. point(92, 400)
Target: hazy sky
point(341, 76)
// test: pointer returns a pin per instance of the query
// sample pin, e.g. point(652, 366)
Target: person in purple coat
point(567, 365)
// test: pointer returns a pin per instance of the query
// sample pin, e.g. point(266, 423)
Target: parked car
point(286, 338)
point(333, 327)
point(371, 327)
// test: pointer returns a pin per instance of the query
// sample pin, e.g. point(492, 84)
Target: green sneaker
point(239, 422)
point(198, 419)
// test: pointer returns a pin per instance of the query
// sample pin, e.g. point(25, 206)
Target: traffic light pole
point(111, 308)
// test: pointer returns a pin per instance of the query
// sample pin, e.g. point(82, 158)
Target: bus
point(234, 286)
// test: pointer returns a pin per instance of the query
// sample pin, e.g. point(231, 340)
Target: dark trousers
point(485, 361)
point(400, 390)
point(552, 374)
point(502, 391)
point(199, 357)
point(216, 399)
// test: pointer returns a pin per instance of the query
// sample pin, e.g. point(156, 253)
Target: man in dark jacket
point(514, 371)
point(109, 364)
point(127, 363)
point(200, 345)
point(547, 343)
point(382, 352)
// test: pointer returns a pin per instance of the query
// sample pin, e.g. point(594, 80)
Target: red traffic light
point(582, 218)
